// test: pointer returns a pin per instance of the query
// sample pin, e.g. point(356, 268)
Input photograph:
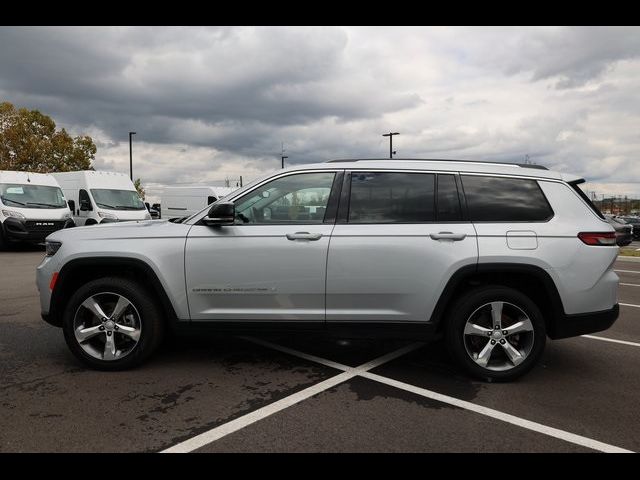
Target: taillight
point(54, 280)
point(606, 239)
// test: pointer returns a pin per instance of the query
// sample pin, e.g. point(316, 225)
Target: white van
point(32, 206)
point(101, 197)
point(184, 201)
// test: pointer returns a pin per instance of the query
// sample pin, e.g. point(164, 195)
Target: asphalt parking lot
point(310, 394)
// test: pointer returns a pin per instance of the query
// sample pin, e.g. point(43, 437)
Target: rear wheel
point(112, 324)
point(496, 333)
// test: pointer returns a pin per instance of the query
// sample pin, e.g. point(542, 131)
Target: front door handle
point(304, 236)
point(454, 237)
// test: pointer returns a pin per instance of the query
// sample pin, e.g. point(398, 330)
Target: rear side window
point(501, 199)
point(392, 197)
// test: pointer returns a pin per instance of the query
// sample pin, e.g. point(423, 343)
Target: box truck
point(184, 201)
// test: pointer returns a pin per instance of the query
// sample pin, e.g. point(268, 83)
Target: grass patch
point(629, 252)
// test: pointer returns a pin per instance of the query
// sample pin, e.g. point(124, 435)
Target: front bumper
point(32, 231)
point(583, 323)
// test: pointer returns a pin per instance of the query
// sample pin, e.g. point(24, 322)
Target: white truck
point(101, 197)
point(184, 201)
point(32, 206)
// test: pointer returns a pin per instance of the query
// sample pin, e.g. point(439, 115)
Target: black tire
point(3, 242)
point(469, 304)
point(151, 321)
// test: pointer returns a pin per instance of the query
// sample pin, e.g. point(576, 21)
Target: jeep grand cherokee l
point(494, 257)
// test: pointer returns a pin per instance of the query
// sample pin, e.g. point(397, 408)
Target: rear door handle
point(304, 236)
point(454, 237)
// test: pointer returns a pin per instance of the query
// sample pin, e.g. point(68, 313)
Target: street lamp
point(131, 156)
point(390, 135)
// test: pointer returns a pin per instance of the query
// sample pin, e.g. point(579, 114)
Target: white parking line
point(631, 284)
point(498, 415)
point(630, 305)
point(605, 339)
point(350, 372)
point(268, 410)
point(626, 271)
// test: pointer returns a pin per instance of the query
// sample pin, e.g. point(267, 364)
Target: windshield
point(31, 196)
point(117, 199)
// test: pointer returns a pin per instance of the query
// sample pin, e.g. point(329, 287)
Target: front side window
point(392, 197)
point(117, 199)
point(299, 198)
point(502, 199)
point(31, 196)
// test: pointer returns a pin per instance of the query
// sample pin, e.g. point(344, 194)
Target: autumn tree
point(30, 142)
point(139, 188)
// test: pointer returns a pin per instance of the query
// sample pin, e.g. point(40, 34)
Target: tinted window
point(499, 199)
point(300, 198)
point(380, 197)
point(448, 200)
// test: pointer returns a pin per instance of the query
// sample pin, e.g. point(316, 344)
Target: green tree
point(139, 188)
point(30, 142)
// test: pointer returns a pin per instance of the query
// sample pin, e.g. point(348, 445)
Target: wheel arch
point(79, 271)
point(531, 280)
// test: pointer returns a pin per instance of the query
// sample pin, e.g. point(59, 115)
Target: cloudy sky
point(216, 102)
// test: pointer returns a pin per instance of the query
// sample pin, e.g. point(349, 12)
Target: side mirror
point(85, 205)
point(220, 214)
point(72, 206)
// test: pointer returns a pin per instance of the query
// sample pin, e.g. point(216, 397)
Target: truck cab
point(101, 197)
point(32, 206)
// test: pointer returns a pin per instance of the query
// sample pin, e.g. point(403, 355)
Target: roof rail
point(480, 162)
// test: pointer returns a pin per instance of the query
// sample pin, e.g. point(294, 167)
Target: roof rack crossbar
point(523, 165)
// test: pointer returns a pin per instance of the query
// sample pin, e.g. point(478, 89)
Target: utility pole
point(283, 155)
point(131, 155)
point(390, 135)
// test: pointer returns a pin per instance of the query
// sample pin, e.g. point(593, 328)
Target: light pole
point(390, 135)
point(283, 157)
point(131, 156)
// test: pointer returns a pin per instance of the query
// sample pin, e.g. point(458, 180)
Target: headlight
point(52, 248)
point(107, 215)
point(67, 215)
point(11, 213)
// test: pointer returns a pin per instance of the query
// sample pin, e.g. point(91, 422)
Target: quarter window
point(501, 199)
point(300, 198)
point(392, 197)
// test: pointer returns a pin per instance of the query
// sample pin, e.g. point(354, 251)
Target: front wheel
point(496, 333)
point(112, 324)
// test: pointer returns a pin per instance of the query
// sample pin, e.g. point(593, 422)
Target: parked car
point(495, 257)
point(101, 197)
point(155, 214)
point(32, 206)
point(624, 231)
point(634, 222)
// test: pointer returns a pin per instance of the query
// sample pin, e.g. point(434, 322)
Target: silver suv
point(494, 257)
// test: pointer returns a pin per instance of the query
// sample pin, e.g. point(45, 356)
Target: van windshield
point(117, 199)
point(31, 196)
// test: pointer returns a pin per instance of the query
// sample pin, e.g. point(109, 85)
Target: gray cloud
point(214, 102)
